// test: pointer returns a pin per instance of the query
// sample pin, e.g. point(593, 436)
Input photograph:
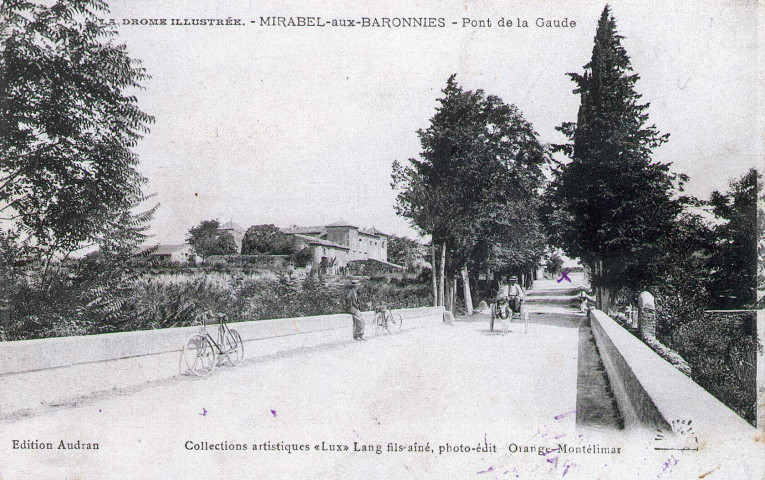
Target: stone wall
point(651, 393)
point(83, 365)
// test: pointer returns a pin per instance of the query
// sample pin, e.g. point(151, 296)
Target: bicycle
point(386, 320)
point(202, 353)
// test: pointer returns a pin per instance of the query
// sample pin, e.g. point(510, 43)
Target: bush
point(554, 264)
point(302, 257)
point(722, 357)
point(149, 304)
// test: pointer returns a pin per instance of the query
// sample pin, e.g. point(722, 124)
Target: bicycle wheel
point(387, 321)
point(234, 348)
point(379, 321)
point(396, 322)
point(199, 355)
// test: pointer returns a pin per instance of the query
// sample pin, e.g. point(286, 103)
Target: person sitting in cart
point(515, 294)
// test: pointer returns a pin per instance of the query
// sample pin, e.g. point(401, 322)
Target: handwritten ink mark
point(704, 475)
point(564, 276)
point(273, 412)
point(564, 415)
point(490, 469)
point(204, 412)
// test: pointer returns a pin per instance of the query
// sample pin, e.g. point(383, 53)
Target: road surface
point(442, 387)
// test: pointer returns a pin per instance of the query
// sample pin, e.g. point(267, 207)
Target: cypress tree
point(612, 205)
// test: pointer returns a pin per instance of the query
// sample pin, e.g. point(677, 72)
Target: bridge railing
point(94, 363)
point(653, 394)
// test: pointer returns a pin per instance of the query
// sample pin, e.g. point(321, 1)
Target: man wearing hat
point(516, 294)
point(352, 306)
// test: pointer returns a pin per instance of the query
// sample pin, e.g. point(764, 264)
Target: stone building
point(338, 243)
point(180, 253)
point(236, 231)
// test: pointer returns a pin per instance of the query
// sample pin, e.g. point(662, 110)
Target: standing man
point(352, 307)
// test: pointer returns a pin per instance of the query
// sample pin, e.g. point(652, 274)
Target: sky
point(300, 126)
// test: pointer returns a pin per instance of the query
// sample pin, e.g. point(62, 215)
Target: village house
point(335, 245)
point(236, 231)
point(180, 253)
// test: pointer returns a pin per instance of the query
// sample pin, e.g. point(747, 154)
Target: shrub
point(722, 357)
point(148, 304)
point(302, 257)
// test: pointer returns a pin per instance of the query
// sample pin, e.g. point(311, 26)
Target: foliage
point(68, 175)
point(206, 239)
point(302, 257)
point(476, 178)
point(612, 203)
point(733, 263)
point(554, 264)
point(67, 125)
point(722, 359)
point(513, 241)
point(266, 239)
point(15, 261)
point(85, 295)
point(152, 304)
point(405, 251)
point(401, 294)
point(761, 252)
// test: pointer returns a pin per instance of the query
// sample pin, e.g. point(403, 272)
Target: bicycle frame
point(228, 347)
point(222, 329)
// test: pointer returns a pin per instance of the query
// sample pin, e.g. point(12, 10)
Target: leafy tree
point(68, 123)
point(612, 205)
point(302, 257)
point(733, 263)
point(477, 176)
point(266, 239)
point(761, 251)
point(554, 264)
point(206, 239)
point(404, 251)
point(91, 294)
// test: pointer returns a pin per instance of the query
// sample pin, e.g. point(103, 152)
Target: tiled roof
point(319, 241)
point(304, 230)
point(322, 231)
point(374, 231)
point(342, 223)
point(231, 226)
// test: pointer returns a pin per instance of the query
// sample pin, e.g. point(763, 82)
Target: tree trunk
point(454, 293)
point(433, 272)
point(442, 275)
point(466, 290)
point(603, 292)
point(605, 299)
point(448, 296)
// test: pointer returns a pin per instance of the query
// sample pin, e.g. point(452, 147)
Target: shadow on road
point(566, 320)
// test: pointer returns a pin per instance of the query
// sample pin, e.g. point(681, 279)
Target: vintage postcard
point(346, 240)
